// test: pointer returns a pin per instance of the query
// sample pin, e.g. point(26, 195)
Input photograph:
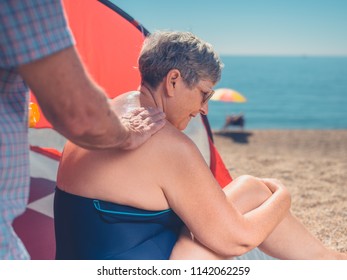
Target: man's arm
point(79, 109)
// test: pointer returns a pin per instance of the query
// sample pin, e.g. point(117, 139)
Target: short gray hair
point(163, 51)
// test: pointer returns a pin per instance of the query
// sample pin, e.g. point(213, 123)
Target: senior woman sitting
point(161, 201)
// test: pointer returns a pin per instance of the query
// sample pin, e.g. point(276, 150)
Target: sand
point(311, 163)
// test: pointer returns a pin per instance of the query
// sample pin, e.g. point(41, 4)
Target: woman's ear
point(171, 81)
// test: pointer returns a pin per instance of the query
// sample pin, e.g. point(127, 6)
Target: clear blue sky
point(251, 27)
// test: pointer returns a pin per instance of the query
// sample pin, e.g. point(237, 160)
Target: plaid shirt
point(29, 30)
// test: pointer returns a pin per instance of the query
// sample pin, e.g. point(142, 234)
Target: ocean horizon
point(284, 92)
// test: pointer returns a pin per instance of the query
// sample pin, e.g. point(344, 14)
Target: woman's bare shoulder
point(174, 140)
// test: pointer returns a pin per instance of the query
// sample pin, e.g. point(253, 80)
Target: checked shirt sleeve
point(30, 30)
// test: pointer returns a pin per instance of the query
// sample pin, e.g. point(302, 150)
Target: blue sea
point(285, 92)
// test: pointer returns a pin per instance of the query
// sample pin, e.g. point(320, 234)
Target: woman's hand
point(276, 185)
point(272, 184)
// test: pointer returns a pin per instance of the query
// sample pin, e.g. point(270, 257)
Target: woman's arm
point(197, 198)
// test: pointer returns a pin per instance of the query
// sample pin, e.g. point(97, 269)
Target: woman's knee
point(253, 185)
point(247, 192)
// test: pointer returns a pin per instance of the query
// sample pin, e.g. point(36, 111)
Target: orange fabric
point(48, 152)
point(108, 44)
point(217, 166)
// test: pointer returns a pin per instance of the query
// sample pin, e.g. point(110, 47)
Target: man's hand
point(141, 124)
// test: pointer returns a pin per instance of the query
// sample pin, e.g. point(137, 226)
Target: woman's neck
point(150, 97)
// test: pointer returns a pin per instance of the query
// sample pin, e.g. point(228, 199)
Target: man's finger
point(155, 126)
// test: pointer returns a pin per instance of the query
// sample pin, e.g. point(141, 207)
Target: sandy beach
point(311, 163)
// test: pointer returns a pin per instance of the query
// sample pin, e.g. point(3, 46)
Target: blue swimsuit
point(93, 229)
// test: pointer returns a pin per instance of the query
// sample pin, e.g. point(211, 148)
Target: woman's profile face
point(190, 102)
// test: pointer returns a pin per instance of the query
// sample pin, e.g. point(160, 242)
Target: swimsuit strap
point(149, 214)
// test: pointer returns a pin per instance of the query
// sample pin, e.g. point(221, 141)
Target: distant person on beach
point(37, 51)
point(168, 204)
point(234, 120)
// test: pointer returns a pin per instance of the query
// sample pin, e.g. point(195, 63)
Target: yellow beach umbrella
point(228, 95)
